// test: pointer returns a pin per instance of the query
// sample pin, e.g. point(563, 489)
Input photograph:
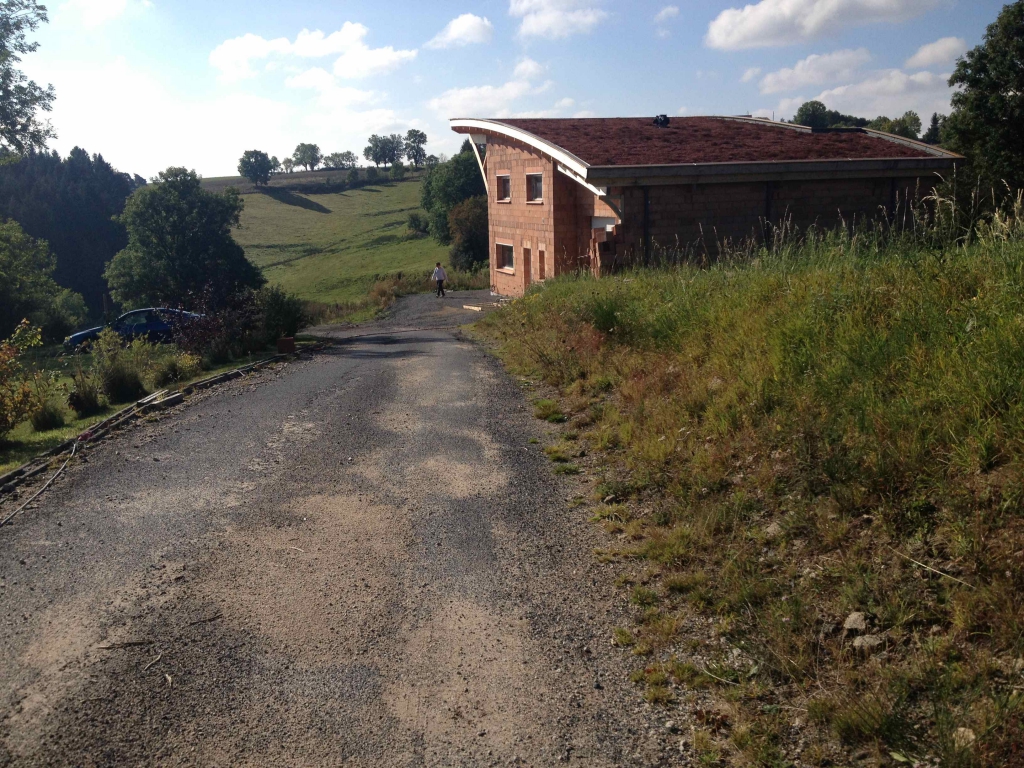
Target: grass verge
point(822, 450)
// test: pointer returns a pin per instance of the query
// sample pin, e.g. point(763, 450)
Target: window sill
point(505, 270)
point(506, 200)
point(535, 202)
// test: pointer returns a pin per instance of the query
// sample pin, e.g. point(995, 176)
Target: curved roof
point(583, 143)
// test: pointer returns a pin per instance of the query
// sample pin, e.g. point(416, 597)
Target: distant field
point(329, 247)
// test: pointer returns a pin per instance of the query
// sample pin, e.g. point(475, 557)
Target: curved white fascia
point(568, 159)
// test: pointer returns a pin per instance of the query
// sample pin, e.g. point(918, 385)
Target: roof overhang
point(790, 170)
point(598, 178)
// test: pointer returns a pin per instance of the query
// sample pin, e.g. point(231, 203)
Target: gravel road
point(357, 559)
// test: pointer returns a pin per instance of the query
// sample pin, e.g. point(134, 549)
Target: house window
point(504, 188)
point(506, 258)
point(534, 187)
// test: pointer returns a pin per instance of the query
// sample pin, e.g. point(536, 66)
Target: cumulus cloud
point(234, 58)
point(528, 69)
point(463, 30)
point(565, 103)
point(939, 53)
point(142, 126)
point(816, 69)
point(494, 100)
point(750, 74)
point(784, 22)
point(95, 13)
point(554, 19)
point(889, 92)
point(666, 13)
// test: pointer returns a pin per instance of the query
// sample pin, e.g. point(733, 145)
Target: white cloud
point(463, 30)
point(494, 100)
point(783, 22)
point(750, 74)
point(554, 19)
point(941, 52)
point(331, 94)
point(528, 69)
point(682, 110)
point(95, 13)
point(565, 103)
point(891, 92)
point(816, 69)
point(234, 57)
point(666, 13)
point(584, 113)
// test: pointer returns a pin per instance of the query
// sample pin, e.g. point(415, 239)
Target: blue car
point(154, 324)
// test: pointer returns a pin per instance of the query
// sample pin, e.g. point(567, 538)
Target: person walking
point(440, 276)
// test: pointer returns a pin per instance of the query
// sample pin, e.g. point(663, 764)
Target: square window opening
point(504, 188)
point(506, 256)
point(534, 187)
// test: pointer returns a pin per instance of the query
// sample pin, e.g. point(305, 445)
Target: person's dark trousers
point(440, 287)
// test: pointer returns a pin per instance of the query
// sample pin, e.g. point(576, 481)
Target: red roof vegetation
point(637, 141)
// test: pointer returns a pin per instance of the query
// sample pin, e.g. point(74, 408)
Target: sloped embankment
point(823, 452)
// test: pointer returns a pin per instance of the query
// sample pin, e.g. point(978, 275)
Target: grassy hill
point(331, 246)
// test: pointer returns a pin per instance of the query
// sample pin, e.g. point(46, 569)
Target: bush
point(65, 313)
point(120, 369)
point(46, 410)
point(178, 367)
point(353, 177)
point(84, 397)
point(418, 223)
point(281, 313)
point(47, 416)
point(467, 224)
point(15, 392)
point(397, 172)
point(372, 174)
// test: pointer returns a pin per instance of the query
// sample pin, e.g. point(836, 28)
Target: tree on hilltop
point(384, 150)
point(415, 142)
point(341, 160)
point(308, 156)
point(21, 99)
point(288, 165)
point(256, 166)
point(180, 248)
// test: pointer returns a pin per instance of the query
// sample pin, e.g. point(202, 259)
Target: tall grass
point(829, 424)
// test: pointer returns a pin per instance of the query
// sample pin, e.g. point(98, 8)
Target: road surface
point(358, 560)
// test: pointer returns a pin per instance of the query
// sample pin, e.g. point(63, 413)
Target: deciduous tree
point(256, 166)
point(415, 141)
point(180, 246)
point(341, 160)
point(308, 156)
point(987, 122)
point(21, 99)
point(445, 186)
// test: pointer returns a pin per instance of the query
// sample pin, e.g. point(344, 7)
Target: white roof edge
point(558, 153)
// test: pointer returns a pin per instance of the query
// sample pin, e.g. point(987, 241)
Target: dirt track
point(354, 560)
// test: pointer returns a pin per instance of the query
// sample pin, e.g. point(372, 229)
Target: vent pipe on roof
point(661, 121)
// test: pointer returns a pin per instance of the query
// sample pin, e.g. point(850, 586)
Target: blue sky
point(153, 83)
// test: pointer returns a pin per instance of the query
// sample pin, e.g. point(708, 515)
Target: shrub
point(178, 367)
point(15, 392)
point(418, 223)
point(353, 177)
point(397, 172)
point(66, 312)
point(84, 397)
point(281, 313)
point(372, 174)
point(46, 410)
point(467, 225)
point(120, 369)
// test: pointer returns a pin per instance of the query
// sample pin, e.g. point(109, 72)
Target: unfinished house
point(593, 193)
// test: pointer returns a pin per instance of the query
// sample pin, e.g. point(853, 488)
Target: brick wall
point(556, 236)
point(526, 226)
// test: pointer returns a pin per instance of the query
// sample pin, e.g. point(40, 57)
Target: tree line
point(257, 166)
